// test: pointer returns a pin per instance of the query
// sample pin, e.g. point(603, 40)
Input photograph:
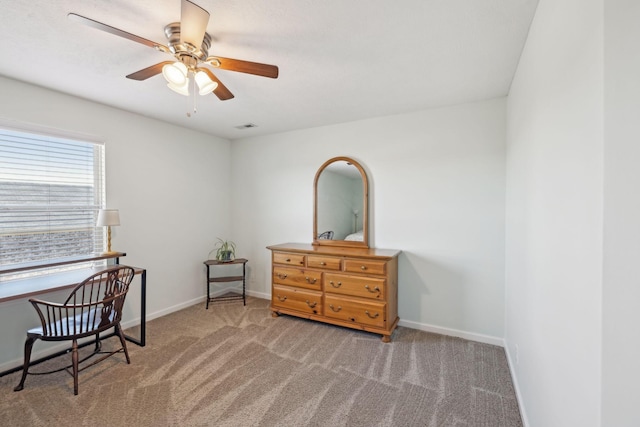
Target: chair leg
point(28, 345)
point(123, 342)
point(74, 363)
point(98, 344)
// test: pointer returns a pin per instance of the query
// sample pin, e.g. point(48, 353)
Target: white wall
point(554, 216)
point(436, 192)
point(621, 293)
point(169, 183)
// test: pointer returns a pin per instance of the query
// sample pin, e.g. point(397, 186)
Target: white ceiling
point(339, 60)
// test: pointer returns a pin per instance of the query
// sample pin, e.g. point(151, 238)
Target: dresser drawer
point(288, 259)
point(365, 266)
point(327, 263)
point(297, 277)
point(297, 299)
point(355, 311)
point(367, 287)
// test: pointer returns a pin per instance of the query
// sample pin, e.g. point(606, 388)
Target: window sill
point(48, 282)
point(38, 265)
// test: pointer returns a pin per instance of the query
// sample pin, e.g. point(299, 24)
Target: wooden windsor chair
point(94, 306)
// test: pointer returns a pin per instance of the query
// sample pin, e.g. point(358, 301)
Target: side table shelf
point(231, 296)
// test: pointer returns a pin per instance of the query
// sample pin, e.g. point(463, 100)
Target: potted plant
point(225, 250)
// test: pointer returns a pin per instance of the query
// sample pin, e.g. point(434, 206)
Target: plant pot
point(226, 256)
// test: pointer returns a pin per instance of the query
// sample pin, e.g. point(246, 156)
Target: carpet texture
point(237, 366)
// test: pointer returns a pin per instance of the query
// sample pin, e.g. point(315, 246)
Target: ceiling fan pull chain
point(195, 95)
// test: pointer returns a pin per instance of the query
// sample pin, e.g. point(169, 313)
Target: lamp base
point(109, 253)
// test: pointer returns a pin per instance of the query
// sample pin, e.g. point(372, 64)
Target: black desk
point(32, 286)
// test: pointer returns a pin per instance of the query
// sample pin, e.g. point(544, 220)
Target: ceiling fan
point(189, 44)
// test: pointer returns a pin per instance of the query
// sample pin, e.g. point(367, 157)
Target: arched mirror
point(341, 200)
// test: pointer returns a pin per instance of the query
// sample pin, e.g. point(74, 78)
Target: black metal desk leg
point(244, 278)
point(143, 309)
point(208, 284)
point(143, 312)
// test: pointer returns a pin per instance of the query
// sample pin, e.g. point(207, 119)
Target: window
point(51, 189)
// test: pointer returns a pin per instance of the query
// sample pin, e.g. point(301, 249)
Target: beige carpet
point(237, 366)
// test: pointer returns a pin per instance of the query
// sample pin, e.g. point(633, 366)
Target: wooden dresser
point(352, 287)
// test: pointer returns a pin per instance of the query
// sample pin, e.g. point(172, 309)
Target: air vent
point(246, 126)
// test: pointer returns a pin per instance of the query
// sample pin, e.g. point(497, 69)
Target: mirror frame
point(365, 207)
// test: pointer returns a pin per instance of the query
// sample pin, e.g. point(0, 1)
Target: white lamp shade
point(205, 83)
point(181, 89)
point(175, 73)
point(108, 217)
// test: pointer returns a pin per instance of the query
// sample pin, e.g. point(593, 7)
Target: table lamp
point(107, 218)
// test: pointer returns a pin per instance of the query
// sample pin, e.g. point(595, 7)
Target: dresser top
point(335, 250)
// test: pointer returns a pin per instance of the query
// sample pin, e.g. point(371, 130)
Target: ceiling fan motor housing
point(183, 50)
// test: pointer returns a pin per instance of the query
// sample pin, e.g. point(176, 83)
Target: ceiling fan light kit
point(205, 83)
point(175, 73)
point(188, 43)
point(182, 89)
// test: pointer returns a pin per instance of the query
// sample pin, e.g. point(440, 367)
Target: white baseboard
point(35, 355)
point(262, 295)
point(486, 339)
point(183, 305)
point(514, 378)
point(168, 310)
point(51, 349)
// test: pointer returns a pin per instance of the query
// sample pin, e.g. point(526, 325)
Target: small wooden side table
point(230, 296)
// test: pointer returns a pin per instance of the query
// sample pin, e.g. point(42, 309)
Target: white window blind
point(51, 189)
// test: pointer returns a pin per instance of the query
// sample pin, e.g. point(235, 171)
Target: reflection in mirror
point(340, 202)
point(340, 211)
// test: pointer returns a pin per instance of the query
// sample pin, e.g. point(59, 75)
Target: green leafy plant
point(225, 250)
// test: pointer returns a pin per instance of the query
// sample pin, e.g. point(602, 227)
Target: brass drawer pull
point(334, 285)
point(288, 260)
point(372, 317)
point(335, 309)
point(375, 290)
point(310, 280)
point(323, 263)
point(282, 299)
point(281, 276)
point(363, 268)
point(312, 305)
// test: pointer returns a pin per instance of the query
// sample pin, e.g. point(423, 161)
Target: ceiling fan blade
point(221, 91)
point(115, 31)
point(255, 68)
point(193, 23)
point(145, 73)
